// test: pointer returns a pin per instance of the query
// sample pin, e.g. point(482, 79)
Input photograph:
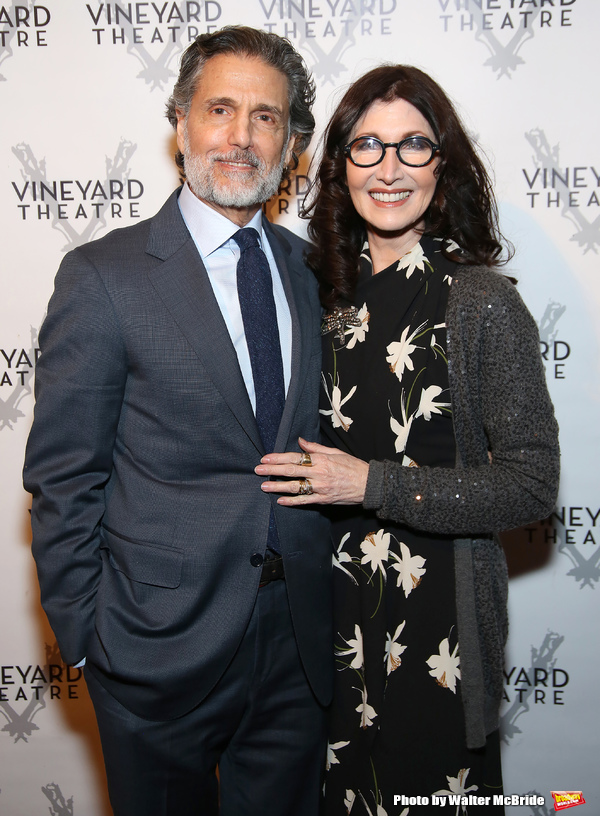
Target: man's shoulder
point(131, 236)
point(289, 238)
point(132, 239)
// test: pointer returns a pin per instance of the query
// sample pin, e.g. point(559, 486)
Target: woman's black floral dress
point(397, 720)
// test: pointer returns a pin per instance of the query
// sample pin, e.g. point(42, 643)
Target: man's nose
point(241, 132)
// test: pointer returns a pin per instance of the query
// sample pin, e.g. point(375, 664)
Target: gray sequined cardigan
point(500, 405)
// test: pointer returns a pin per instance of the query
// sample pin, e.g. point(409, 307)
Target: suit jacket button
point(256, 560)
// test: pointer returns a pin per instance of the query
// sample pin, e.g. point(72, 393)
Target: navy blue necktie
point(257, 304)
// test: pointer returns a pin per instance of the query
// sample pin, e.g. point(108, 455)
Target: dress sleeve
point(506, 433)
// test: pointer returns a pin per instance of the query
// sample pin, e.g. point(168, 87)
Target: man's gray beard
point(200, 175)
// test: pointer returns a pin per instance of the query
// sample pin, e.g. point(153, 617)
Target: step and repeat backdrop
point(85, 148)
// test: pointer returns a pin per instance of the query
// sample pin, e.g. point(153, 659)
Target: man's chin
point(251, 191)
point(221, 198)
point(236, 201)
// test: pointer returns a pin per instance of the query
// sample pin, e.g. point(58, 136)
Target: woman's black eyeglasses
point(367, 151)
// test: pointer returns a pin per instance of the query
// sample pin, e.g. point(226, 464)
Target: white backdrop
point(84, 148)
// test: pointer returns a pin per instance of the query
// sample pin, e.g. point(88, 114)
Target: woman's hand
point(332, 477)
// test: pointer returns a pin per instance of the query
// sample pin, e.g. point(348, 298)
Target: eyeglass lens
point(414, 151)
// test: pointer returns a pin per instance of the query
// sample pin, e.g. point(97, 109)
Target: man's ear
point(181, 123)
point(289, 152)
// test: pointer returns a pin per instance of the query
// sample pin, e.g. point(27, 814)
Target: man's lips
point(237, 161)
point(243, 165)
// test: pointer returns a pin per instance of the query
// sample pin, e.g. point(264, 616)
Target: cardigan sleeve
point(507, 469)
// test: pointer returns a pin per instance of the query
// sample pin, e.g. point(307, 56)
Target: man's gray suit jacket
point(146, 509)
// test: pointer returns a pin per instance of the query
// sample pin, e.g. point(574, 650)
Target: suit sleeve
point(502, 390)
point(79, 388)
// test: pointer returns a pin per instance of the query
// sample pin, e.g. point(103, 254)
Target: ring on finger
point(305, 488)
point(305, 460)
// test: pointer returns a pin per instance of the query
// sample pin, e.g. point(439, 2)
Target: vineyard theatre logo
point(576, 531)
point(542, 683)
point(22, 27)
point(59, 806)
point(26, 690)
point(328, 29)
point(79, 208)
point(17, 366)
point(290, 197)
point(504, 26)
point(154, 33)
point(573, 191)
point(580, 528)
point(555, 352)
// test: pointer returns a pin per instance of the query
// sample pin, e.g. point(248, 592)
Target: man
point(201, 607)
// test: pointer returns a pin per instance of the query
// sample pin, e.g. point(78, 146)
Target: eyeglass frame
point(435, 149)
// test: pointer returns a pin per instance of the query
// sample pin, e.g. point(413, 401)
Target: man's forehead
point(235, 77)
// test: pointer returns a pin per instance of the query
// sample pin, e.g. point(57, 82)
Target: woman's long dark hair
point(463, 207)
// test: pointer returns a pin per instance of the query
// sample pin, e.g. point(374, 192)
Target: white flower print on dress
point(400, 351)
point(401, 430)
point(335, 400)
point(393, 649)
point(358, 332)
point(428, 405)
point(380, 810)
point(349, 800)
point(415, 259)
point(376, 548)
point(445, 666)
point(340, 556)
point(355, 647)
point(411, 569)
point(366, 711)
point(457, 787)
point(435, 346)
point(331, 755)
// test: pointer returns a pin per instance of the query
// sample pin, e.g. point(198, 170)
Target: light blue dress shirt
point(212, 234)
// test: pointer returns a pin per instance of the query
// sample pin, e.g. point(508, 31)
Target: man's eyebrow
point(219, 100)
point(227, 101)
point(270, 109)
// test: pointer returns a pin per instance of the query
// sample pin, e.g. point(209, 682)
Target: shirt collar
point(209, 228)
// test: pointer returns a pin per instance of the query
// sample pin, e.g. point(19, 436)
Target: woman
point(440, 434)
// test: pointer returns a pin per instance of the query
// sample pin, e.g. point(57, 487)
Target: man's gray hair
point(251, 42)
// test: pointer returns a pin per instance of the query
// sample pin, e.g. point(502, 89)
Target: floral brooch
point(339, 319)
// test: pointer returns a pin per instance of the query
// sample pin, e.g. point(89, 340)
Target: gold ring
point(305, 460)
point(304, 487)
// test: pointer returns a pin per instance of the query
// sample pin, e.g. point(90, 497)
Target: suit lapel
point(182, 283)
point(293, 272)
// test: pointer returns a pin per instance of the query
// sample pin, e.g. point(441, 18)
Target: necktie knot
point(246, 238)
